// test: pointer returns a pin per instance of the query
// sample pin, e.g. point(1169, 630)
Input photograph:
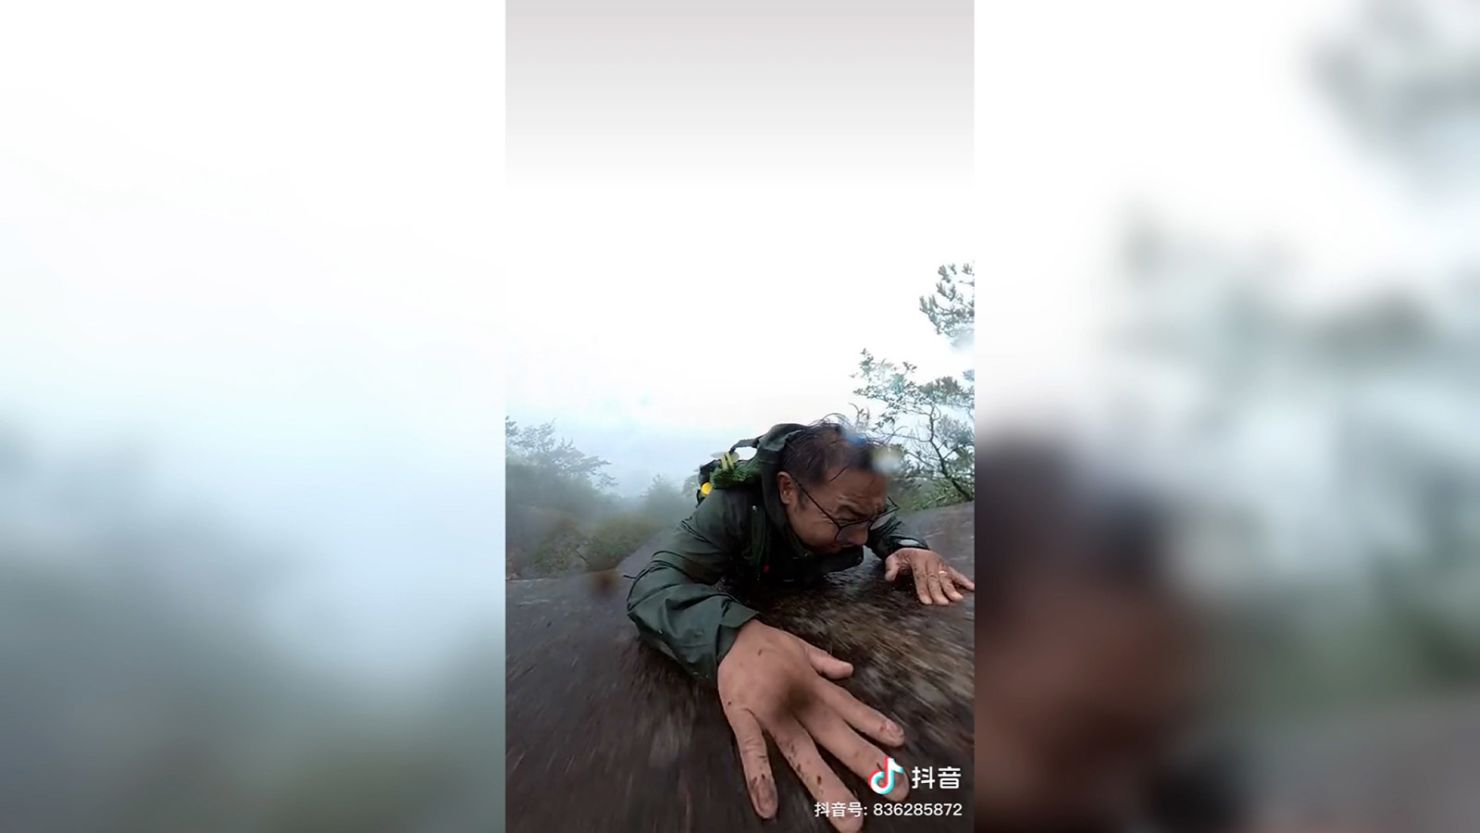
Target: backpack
point(726, 470)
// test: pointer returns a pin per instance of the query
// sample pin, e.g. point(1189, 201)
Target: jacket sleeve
point(892, 534)
point(674, 602)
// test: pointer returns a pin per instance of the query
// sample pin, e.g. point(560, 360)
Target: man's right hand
point(773, 683)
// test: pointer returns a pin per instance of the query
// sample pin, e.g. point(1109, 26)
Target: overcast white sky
point(1206, 119)
point(657, 326)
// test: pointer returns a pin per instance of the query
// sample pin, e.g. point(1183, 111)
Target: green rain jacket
point(740, 532)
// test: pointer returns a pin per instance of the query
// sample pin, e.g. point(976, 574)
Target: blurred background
point(1244, 261)
point(250, 458)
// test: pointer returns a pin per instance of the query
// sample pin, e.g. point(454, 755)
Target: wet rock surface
point(606, 734)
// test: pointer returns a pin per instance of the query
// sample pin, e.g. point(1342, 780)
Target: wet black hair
point(828, 444)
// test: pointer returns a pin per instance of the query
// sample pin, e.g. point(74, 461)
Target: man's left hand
point(935, 580)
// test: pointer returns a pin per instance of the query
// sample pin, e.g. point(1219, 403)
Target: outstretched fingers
point(859, 715)
point(816, 775)
point(948, 585)
point(834, 734)
point(937, 594)
point(751, 743)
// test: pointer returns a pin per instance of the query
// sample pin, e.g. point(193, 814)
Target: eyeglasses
point(844, 529)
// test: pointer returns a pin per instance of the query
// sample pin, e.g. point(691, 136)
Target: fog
point(1260, 222)
point(250, 394)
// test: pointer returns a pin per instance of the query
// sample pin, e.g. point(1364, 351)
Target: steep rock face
point(606, 734)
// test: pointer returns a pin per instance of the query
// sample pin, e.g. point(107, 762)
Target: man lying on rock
point(805, 505)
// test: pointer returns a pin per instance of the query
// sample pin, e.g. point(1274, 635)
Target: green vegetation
point(930, 421)
point(562, 515)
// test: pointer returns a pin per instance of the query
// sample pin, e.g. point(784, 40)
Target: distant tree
point(690, 485)
point(538, 448)
point(561, 513)
point(952, 309)
point(551, 489)
point(562, 548)
point(664, 502)
point(930, 421)
point(614, 538)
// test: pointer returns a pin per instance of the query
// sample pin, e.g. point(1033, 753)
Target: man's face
point(851, 498)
